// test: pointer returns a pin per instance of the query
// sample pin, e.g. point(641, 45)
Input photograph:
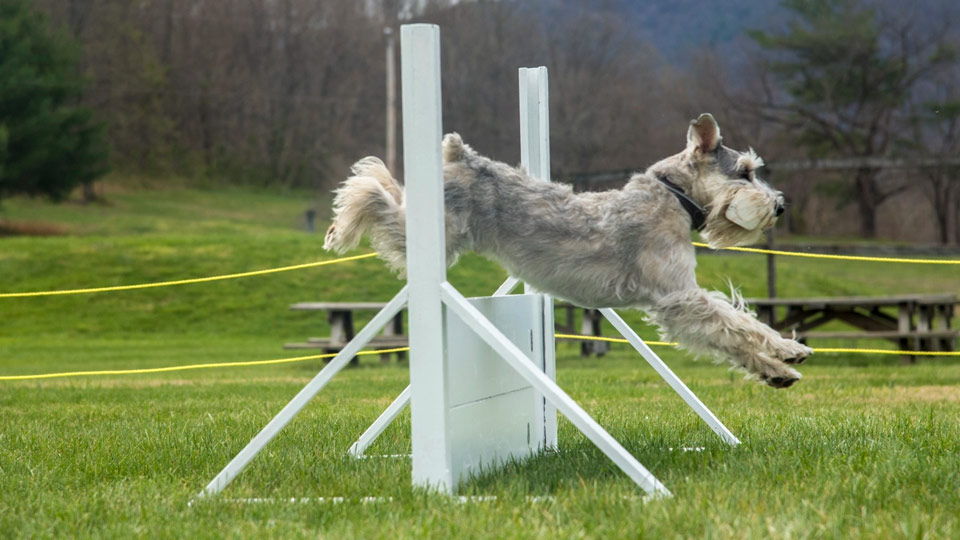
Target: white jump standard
point(535, 158)
point(509, 364)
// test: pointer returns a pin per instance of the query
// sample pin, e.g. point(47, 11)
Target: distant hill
point(679, 27)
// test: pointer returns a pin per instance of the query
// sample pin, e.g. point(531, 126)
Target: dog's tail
point(370, 202)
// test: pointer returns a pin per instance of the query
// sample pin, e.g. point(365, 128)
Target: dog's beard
point(720, 232)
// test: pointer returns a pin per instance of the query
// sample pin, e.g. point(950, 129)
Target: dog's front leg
point(709, 323)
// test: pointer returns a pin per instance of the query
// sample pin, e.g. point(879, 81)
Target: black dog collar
point(697, 216)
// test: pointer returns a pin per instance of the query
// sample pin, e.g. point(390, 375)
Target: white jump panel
point(495, 414)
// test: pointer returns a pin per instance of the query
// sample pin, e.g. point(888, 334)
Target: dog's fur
point(623, 248)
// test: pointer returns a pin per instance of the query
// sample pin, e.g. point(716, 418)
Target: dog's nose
point(779, 210)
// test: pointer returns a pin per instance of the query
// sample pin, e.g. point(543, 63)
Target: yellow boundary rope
point(402, 349)
point(826, 350)
point(190, 367)
point(188, 281)
point(612, 340)
point(385, 351)
point(834, 257)
point(369, 255)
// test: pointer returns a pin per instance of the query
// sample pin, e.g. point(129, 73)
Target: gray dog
point(624, 248)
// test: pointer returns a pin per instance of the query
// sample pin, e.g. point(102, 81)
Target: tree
point(48, 144)
point(842, 73)
point(936, 131)
point(603, 79)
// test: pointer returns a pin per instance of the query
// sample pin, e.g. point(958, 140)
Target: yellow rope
point(612, 340)
point(188, 281)
point(402, 349)
point(385, 351)
point(886, 351)
point(189, 367)
point(818, 351)
point(369, 255)
point(834, 257)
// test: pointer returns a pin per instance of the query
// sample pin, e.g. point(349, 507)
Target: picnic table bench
point(915, 322)
point(340, 315)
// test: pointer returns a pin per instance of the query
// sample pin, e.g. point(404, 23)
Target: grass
point(862, 447)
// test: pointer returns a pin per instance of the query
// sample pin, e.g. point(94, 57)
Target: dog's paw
point(780, 378)
point(780, 382)
point(793, 352)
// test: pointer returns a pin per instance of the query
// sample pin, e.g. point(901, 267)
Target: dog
point(627, 248)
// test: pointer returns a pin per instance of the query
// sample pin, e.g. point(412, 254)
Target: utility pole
point(391, 103)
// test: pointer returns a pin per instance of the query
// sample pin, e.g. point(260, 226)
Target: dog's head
point(737, 204)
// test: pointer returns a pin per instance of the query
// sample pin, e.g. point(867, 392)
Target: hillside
point(682, 27)
point(175, 233)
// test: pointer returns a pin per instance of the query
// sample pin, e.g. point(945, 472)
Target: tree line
point(290, 92)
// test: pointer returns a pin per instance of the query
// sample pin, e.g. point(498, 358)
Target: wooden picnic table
point(915, 322)
point(590, 325)
point(340, 315)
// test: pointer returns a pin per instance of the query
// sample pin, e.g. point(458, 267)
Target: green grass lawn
point(862, 447)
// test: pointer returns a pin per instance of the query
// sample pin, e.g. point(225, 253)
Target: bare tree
point(291, 91)
point(839, 78)
point(611, 105)
point(936, 134)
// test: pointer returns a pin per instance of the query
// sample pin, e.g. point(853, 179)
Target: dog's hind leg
point(370, 202)
point(709, 323)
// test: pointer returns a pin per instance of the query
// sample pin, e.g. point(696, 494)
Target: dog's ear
point(704, 133)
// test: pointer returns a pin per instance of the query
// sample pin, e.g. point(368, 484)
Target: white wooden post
point(426, 254)
point(535, 122)
point(535, 158)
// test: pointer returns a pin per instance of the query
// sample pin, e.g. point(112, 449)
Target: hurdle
point(494, 398)
point(535, 158)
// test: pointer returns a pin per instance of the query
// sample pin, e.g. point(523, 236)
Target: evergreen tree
point(48, 143)
point(845, 72)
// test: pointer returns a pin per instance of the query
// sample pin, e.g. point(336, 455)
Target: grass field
point(862, 447)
